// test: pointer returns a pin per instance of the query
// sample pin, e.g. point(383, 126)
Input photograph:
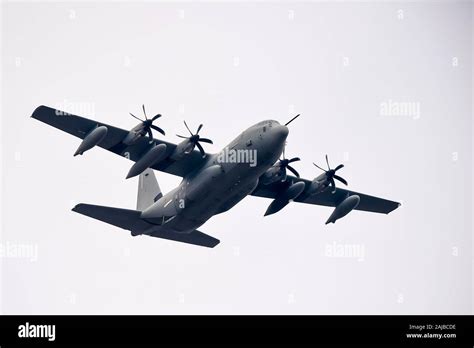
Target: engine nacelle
point(183, 148)
point(318, 185)
point(344, 208)
point(92, 139)
point(273, 174)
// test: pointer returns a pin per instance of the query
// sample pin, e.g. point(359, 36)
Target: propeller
point(148, 125)
point(195, 139)
point(284, 163)
point(331, 174)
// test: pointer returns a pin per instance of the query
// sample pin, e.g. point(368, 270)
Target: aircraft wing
point(326, 198)
point(80, 127)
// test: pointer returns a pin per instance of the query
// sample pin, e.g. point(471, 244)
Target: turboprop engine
point(273, 174)
point(323, 181)
point(187, 146)
point(143, 128)
point(278, 171)
point(344, 208)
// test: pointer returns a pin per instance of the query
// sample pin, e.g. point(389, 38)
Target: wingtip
point(398, 205)
point(37, 110)
point(77, 207)
point(217, 242)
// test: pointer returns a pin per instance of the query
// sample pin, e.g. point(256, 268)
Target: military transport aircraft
point(212, 183)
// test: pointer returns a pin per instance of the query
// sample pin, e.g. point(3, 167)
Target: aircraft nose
point(280, 131)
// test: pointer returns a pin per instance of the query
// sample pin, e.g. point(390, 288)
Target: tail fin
point(148, 190)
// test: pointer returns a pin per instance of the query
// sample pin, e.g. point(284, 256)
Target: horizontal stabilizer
point(130, 220)
point(123, 218)
point(195, 237)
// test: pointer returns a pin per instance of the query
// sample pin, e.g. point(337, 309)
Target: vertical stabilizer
point(148, 190)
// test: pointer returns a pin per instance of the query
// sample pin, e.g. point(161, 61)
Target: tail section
point(148, 190)
point(148, 193)
point(130, 220)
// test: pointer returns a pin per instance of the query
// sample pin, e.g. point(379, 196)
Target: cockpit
point(267, 123)
point(264, 125)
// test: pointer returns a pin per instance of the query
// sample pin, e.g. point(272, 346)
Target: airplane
point(211, 183)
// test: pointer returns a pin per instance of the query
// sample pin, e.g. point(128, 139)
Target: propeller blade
point(339, 167)
point(156, 117)
point(143, 106)
point(199, 128)
point(150, 134)
point(294, 160)
point(340, 179)
point(291, 169)
point(182, 136)
point(294, 118)
point(158, 129)
point(327, 162)
point(333, 184)
point(188, 128)
point(136, 117)
point(324, 170)
point(201, 149)
point(205, 140)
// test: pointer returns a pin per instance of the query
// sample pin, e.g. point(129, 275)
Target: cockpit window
point(265, 123)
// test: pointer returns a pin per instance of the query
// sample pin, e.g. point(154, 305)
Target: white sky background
point(229, 66)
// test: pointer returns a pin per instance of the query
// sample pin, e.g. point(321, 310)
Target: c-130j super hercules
point(212, 183)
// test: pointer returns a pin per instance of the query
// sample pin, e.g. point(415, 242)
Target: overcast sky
point(385, 88)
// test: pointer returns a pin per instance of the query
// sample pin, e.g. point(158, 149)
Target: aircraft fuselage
point(224, 180)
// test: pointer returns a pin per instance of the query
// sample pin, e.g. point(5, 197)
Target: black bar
point(242, 330)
